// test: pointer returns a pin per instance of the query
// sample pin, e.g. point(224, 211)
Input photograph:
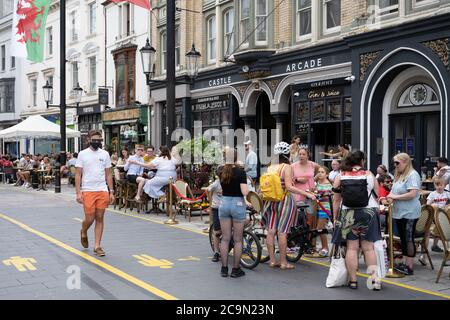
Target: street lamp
point(148, 58)
point(48, 95)
point(193, 58)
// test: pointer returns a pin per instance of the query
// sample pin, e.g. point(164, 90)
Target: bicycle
point(251, 247)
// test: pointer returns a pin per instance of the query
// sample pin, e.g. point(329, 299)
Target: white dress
point(165, 169)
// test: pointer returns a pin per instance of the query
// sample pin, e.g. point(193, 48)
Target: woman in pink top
point(304, 173)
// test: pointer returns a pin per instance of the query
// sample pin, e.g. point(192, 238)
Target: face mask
point(95, 145)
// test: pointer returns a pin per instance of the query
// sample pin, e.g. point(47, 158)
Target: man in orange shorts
point(93, 172)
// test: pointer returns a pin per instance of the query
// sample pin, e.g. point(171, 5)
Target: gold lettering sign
point(317, 94)
point(121, 115)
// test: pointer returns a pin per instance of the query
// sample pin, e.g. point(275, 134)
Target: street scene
point(241, 150)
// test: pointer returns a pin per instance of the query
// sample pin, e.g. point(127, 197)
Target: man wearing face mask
point(93, 172)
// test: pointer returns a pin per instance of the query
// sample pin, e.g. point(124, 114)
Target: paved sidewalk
point(423, 279)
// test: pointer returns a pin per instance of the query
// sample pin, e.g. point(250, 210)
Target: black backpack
point(354, 193)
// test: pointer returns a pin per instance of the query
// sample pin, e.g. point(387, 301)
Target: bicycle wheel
point(211, 238)
point(251, 250)
point(264, 253)
point(294, 254)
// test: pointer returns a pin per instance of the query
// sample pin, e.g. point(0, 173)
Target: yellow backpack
point(270, 186)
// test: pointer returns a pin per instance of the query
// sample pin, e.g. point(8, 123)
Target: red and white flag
point(141, 3)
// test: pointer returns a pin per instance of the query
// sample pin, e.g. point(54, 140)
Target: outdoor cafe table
point(42, 174)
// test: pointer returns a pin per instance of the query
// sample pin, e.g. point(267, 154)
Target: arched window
point(163, 46)
point(418, 95)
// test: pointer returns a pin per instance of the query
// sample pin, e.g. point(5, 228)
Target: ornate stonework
point(441, 48)
point(365, 61)
point(273, 84)
point(242, 89)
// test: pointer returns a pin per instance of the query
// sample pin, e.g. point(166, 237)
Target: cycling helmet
point(281, 148)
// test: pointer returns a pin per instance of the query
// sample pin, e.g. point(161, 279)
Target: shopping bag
point(337, 275)
point(380, 252)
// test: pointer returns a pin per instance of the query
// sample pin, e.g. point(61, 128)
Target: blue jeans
point(233, 208)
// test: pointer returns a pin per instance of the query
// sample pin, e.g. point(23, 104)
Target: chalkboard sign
point(103, 96)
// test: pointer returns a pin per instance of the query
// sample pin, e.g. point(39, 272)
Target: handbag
point(337, 275)
point(380, 253)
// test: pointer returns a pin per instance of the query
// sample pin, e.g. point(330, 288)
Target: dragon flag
point(141, 3)
point(29, 18)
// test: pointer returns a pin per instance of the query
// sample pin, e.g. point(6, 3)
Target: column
point(280, 119)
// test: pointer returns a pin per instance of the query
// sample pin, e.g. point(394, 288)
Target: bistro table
point(42, 174)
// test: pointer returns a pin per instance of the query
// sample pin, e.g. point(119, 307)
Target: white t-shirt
point(164, 164)
point(439, 199)
point(94, 164)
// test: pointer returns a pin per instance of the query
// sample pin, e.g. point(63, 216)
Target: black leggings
point(406, 229)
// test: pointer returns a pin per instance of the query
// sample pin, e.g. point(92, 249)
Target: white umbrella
point(36, 127)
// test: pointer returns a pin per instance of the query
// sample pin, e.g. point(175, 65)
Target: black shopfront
point(89, 118)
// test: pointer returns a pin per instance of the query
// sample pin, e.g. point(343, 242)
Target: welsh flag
point(141, 3)
point(28, 30)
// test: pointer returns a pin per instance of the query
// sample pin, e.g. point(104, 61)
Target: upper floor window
point(125, 20)
point(49, 41)
point(33, 89)
point(228, 31)
point(3, 57)
point(163, 52)
point(13, 62)
point(177, 47)
point(331, 15)
point(7, 95)
point(73, 27)
point(125, 63)
point(211, 34)
point(304, 19)
point(382, 8)
point(75, 80)
point(6, 7)
point(422, 3)
point(92, 17)
point(261, 11)
point(92, 74)
point(244, 22)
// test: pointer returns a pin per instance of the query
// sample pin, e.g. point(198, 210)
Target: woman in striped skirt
point(279, 217)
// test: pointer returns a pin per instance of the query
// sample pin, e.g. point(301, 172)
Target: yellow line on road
point(387, 281)
point(117, 272)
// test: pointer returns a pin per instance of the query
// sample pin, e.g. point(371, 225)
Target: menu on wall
point(212, 111)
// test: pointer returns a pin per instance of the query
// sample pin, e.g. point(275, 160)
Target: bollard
point(57, 179)
point(171, 218)
point(391, 273)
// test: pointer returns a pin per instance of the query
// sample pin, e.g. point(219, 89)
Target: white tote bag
point(338, 275)
point(380, 252)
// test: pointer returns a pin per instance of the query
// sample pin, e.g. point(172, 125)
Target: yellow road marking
point(405, 286)
point(21, 264)
point(149, 261)
point(190, 258)
point(117, 272)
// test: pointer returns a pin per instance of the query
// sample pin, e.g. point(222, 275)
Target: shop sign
point(210, 103)
point(103, 95)
point(89, 109)
point(121, 115)
point(317, 94)
point(304, 65)
point(219, 81)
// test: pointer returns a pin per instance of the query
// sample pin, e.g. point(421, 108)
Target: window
point(33, 88)
point(381, 8)
point(74, 74)
point(73, 28)
point(92, 17)
point(3, 57)
point(13, 62)
point(261, 21)
point(49, 41)
point(92, 74)
point(125, 63)
point(304, 16)
point(422, 3)
point(163, 52)
point(418, 95)
point(127, 19)
point(177, 46)
point(244, 25)
point(228, 30)
point(211, 32)
point(331, 15)
point(6, 7)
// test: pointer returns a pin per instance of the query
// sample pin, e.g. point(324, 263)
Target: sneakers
point(216, 257)
point(436, 249)
point(224, 272)
point(403, 268)
point(237, 272)
point(323, 253)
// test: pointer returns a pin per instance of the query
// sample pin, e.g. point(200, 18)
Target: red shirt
point(383, 192)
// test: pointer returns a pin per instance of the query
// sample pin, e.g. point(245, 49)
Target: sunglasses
point(388, 182)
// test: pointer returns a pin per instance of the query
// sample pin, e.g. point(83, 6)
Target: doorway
point(417, 135)
point(264, 120)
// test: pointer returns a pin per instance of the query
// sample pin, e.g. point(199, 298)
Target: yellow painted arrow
point(149, 261)
point(21, 264)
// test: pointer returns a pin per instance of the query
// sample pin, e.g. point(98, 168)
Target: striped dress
point(282, 215)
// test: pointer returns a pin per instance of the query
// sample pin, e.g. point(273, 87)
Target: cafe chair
point(130, 194)
point(119, 193)
point(186, 205)
point(8, 173)
point(72, 172)
point(442, 221)
point(49, 177)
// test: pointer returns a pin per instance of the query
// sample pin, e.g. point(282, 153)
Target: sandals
point(353, 285)
point(287, 266)
point(84, 240)
point(274, 265)
point(99, 252)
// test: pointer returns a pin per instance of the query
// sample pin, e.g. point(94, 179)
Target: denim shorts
point(233, 208)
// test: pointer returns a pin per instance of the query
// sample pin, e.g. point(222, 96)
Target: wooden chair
point(186, 205)
point(130, 194)
point(119, 193)
point(49, 178)
point(72, 172)
point(442, 221)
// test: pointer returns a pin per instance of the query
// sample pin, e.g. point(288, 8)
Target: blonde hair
point(408, 169)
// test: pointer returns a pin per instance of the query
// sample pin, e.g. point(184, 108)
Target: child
point(323, 187)
point(215, 196)
point(438, 199)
